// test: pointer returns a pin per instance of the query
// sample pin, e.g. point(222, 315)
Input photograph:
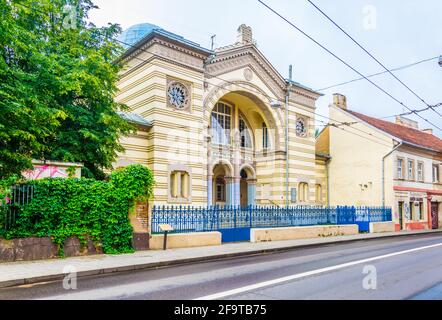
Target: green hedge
point(87, 209)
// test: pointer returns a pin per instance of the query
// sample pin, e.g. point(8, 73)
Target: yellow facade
point(363, 168)
point(218, 124)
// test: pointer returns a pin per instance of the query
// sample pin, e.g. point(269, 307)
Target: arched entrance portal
point(242, 131)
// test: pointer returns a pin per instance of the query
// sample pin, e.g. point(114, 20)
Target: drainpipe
point(328, 181)
point(383, 171)
point(287, 143)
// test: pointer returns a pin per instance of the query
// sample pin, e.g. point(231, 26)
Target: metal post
point(165, 241)
point(289, 85)
point(287, 147)
point(383, 170)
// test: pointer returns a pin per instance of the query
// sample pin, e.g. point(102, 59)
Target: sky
point(396, 32)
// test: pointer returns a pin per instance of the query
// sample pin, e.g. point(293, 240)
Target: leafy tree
point(57, 82)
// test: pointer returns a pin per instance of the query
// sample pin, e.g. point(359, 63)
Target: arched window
point(303, 192)
point(246, 140)
point(265, 136)
point(221, 123)
point(318, 193)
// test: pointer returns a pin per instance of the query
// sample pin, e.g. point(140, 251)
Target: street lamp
point(275, 104)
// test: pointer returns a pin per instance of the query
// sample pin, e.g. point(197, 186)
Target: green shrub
point(85, 208)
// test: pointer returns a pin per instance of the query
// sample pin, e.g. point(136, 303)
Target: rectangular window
point(435, 173)
point(410, 170)
point(179, 182)
point(420, 171)
point(400, 168)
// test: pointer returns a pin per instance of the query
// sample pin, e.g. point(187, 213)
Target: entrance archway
point(247, 186)
point(220, 188)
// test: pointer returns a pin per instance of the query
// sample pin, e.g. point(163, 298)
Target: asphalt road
point(394, 268)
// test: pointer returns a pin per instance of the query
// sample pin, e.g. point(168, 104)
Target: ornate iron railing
point(213, 218)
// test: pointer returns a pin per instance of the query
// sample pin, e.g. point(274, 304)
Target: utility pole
point(287, 95)
point(212, 38)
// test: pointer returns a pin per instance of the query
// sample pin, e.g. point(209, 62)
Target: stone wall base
point(186, 240)
point(29, 249)
point(380, 227)
point(295, 233)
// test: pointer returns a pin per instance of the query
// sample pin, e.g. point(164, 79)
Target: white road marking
point(309, 273)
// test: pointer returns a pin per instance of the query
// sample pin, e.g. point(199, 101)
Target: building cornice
point(155, 37)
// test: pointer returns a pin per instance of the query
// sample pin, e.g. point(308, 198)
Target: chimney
point(340, 101)
point(407, 122)
point(429, 131)
point(245, 34)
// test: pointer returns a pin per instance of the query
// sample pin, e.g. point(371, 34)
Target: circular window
point(178, 95)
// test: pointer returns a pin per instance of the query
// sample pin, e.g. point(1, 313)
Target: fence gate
point(234, 224)
point(235, 234)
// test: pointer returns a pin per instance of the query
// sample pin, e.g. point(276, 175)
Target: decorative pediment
point(249, 58)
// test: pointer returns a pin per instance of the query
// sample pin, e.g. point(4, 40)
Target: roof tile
point(410, 135)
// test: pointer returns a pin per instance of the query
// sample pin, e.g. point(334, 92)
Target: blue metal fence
point(229, 219)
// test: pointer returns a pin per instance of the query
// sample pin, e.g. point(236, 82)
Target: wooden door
point(435, 215)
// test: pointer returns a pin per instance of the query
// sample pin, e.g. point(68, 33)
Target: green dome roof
point(136, 33)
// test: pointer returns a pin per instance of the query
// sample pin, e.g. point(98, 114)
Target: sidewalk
point(21, 273)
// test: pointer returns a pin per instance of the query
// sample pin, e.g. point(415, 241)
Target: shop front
point(417, 209)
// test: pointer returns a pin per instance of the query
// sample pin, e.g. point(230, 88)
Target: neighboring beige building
point(53, 169)
point(375, 162)
point(212, 123)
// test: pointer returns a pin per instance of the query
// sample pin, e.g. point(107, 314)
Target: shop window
point(417, 211)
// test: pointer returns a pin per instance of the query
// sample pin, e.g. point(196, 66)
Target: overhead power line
point(410, 113)
point(335, 122)
point(374, 58)
point(378, 74)
point(345, 63)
